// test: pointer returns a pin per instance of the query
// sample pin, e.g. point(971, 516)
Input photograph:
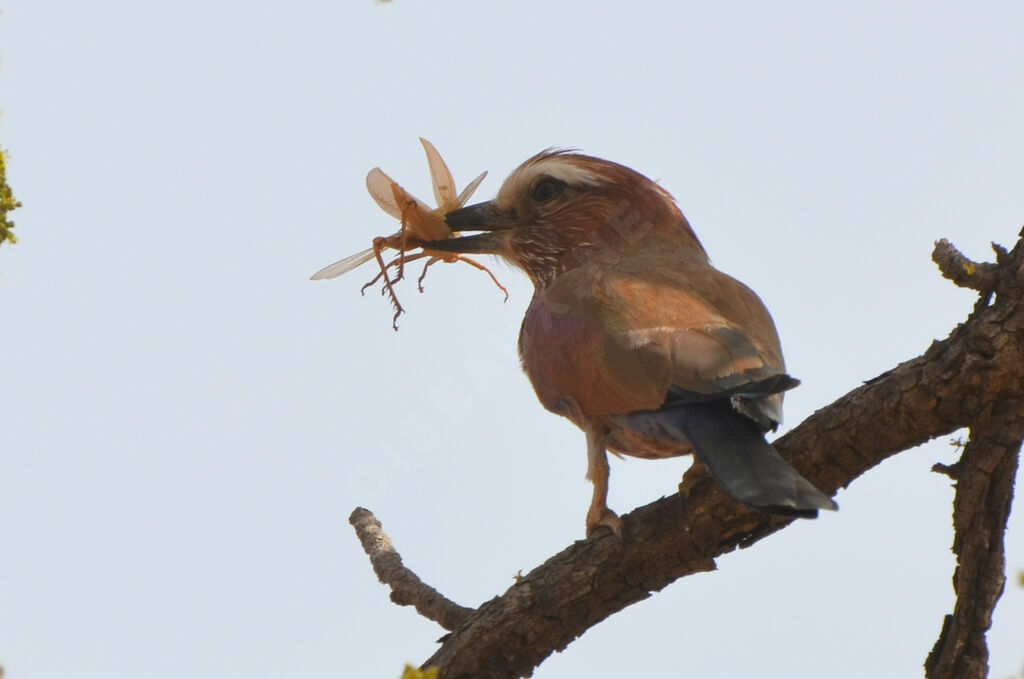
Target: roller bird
point(633, 335)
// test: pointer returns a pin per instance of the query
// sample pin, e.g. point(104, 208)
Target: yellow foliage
point(411, 672)
point(7, 202)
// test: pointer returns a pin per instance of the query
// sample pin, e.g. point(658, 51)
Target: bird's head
point(560, 209)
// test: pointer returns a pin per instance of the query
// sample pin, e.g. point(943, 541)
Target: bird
point(633, 334)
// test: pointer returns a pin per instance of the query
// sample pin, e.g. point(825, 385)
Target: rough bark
point(984, 489)
point(406, 587)
point(974, 379)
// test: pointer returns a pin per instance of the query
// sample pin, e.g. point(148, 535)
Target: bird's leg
point(597, 473)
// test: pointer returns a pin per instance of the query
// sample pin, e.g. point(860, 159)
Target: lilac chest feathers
point(569, 360)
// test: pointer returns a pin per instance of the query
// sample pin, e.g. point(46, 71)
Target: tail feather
point(735, 452)
point(733, 448)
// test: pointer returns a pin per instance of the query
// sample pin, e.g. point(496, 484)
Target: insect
point(420, 225)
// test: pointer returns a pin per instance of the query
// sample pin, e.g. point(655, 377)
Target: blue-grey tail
point(736, 453)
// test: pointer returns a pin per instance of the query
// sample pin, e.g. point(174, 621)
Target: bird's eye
point(547, 189)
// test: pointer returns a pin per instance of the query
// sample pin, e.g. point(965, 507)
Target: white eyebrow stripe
point(566, 168)
point(563, 168)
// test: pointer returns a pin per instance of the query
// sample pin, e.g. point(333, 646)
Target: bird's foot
point(602, 516)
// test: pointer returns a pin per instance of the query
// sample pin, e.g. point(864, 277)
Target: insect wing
point(440, 175)
point(470, 188)
point(343, 265)
point(380, 187)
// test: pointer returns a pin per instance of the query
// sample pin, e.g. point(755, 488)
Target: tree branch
point(962, 271)
point(406, 587)
point(973, 378)
point(984, 491)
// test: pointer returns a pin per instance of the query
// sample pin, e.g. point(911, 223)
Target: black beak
point(479, 217)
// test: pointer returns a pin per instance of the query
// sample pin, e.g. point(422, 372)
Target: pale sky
point(186, 421)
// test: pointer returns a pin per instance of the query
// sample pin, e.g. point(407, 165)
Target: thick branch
point(951, 386)
point(406, 588)
point(984, 491)
point(955, 383)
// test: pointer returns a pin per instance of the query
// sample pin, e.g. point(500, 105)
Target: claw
point(597, 517)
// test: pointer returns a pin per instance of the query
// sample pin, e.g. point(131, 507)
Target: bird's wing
point(704, 333)
point(620, 342)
